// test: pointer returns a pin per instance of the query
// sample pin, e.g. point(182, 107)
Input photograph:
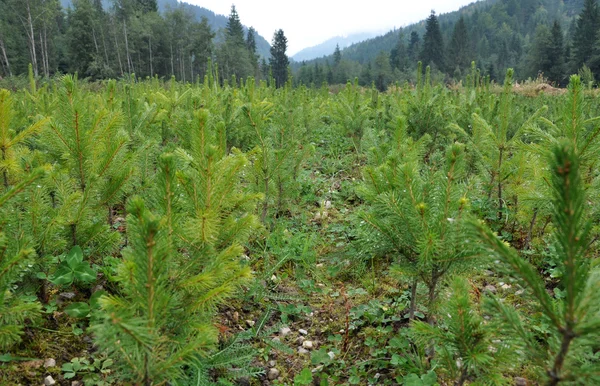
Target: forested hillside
point(103, 39)
point(532, 36)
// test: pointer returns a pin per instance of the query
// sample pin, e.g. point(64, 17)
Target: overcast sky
point(307, 23)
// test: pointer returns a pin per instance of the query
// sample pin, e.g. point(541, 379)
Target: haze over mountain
point(328, 46)
point(532, 36)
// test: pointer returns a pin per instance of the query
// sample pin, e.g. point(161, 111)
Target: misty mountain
point(328, 46)
point(216, 21)
point(499, 30)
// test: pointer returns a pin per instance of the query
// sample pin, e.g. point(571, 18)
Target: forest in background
point(549, 38)
point(101, 40)
point(537, 38)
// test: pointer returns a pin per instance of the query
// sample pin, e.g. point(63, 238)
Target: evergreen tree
point(233, 56)
point(586, 33)
point(234, 28)
point(337, 55)
point(399, 56)
point(80, 36)
point(251, 44)
point(251, 40)
point(556, 72)
point(382, 71)
point(540, 59)
point(460, 54)
point(279, 61)
point(433, 43)
point(414, 47)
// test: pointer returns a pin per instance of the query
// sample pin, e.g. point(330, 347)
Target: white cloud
point(309, 22)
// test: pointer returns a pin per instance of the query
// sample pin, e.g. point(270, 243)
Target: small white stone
point(272, 363)
point(307, 344)
point(284, 331)
point(250, 323)
point(276, 339)
point(331, 355)
point(302, 350)
point(506, 286)
point(49, 381)
point(50, 362)
point(303, 332)
point(273, 374)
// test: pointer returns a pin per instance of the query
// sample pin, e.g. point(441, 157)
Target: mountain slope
point(328, 46)
point(501, 33)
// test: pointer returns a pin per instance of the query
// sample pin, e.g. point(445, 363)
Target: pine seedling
point(15, 252)
point(92, 169)
point(149, 330)
point(468, 349)
point(575, 317)
point(11, 141)
point(493, 140)
point(416, 215)
point(352, 114)
point(573, 124)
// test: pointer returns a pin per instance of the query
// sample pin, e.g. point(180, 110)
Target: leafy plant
point(73, 269)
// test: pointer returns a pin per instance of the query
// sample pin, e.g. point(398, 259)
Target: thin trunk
point(500, 202)
point(555, 377)
point(182, 61)
point(104, 45)
point(463, 376)
point(42, 53)
point(265, 208)
point(4, 172)
point(129, 64)
point(3, 49)
point(74, 234)
point(95, 41)
point(150, 49)
point(118, 54)
point(172, 65)
point(432, 295)
point(31, 36)
point(191, 69)
point(413, 299)
point(530, 231)
point(46, 50)
point(279, 195)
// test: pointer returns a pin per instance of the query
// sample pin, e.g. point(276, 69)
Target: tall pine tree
point(460, 54)
point(586, 33)
point(279, 60)
point(433, 43)
point(556, 72)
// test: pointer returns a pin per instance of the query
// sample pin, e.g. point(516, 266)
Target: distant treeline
point(99, 40)
point(549, 38)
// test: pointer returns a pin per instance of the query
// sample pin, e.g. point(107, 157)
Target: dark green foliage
point(433, 44)
point(460, 53)
point(279, 61)
point(586, 34)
